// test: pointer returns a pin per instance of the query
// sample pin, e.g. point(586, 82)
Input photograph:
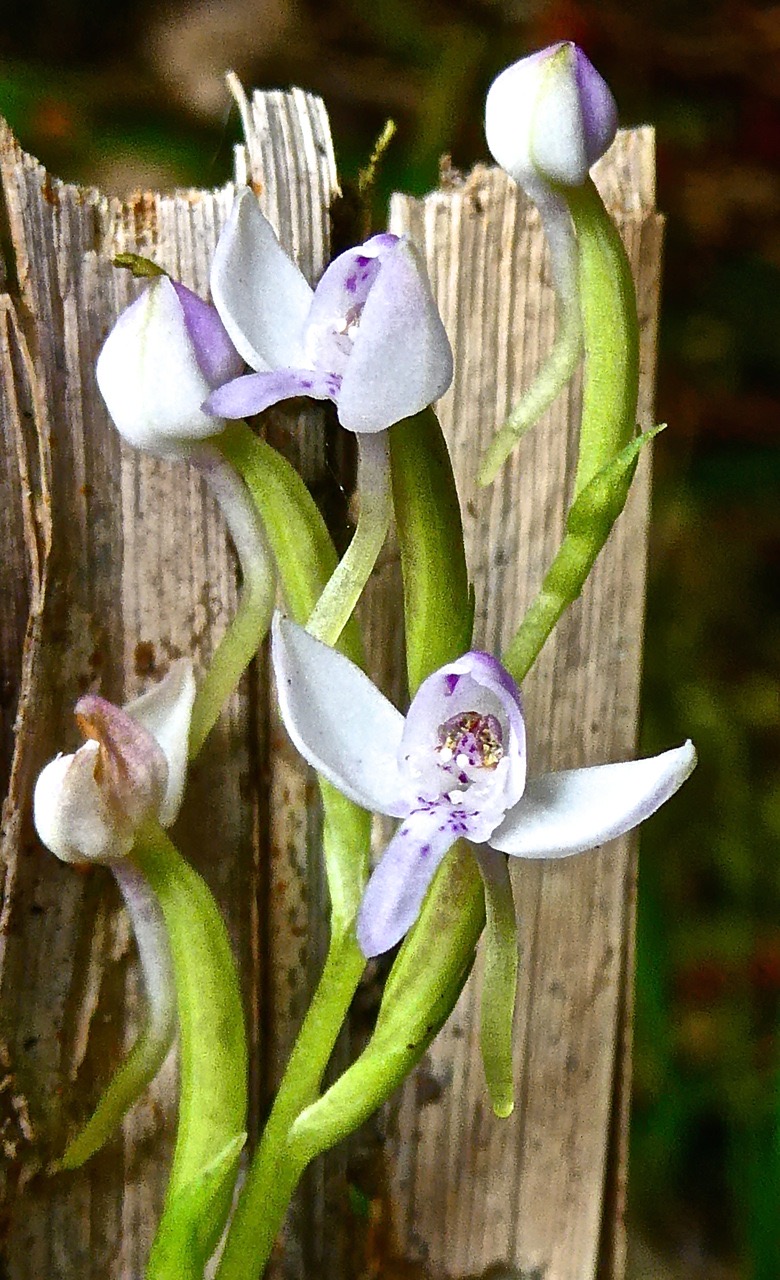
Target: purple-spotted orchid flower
point(87, 808)
point(455, 766)
point(369, 337)
point(164, 356)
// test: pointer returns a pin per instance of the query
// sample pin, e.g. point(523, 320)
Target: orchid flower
point(455, 766)
point(369, 337)
point(548, 119)
point(88, 808)
point(165, 354)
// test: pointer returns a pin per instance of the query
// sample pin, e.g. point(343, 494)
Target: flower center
point(469, 743)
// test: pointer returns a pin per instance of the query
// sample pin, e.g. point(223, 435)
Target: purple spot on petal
point(424, 850)
point(306, 383)
point(350, 284)
point(450, 684)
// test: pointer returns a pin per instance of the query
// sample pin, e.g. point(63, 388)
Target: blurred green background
point(129, 95)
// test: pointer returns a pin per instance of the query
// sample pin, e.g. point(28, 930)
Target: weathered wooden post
point(114, 563)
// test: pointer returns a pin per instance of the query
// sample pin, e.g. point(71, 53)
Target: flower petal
point(475, 682)
point(598, 107)
point(565, 813)
point(217, 357)
point(165, 712)
point(255, 392)
point(549, 116)
point(149, 376)
point(338, 719)
point(72, 814)
point(132, 770)
point(259, 292)
point(401, 358)
point(395, 892)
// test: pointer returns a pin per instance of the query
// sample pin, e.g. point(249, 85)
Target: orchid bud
point(165, 355)
point(550, 117)
point(89, 805)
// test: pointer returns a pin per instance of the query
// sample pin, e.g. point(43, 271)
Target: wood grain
point(139, 571)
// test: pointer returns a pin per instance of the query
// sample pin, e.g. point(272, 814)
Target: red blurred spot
point(53, 119)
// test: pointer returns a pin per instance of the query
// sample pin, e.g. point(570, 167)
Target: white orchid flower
point(369, 337)
point(550, 117)
point(454, 766)
point(87, 808)
point(164, 356)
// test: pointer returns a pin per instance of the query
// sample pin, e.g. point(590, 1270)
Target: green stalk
point(306, 562)
point(345, 586)
point(607, 452)
point(212, 1062)
point(275, 1169)
point(438, 600)
point(499, 980)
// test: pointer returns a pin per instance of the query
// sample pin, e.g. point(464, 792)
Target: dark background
point(128, 95)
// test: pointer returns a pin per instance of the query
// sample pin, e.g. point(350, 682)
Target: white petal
point(166, 711)
point(149, 376)
point(557, 131)
point(338, 719)
point(401, 359)
point(261, 296)
point(71, 812)
point(565, 813)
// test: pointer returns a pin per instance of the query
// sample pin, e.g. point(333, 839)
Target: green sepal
point(438, 601)
point(182, 1247)
point(588, 526)
point(141, 268)
point(213, 1056)
point(499, 980)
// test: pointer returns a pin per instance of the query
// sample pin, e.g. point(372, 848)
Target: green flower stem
point(417, 1001)
point(212, 1057)
point(561, 362)
point(438, 601)
point(276, 1167)
point(305, 556)
point(306, 561)
point(556, 372)
point(607, 451)
point(258, 594)
point(499, 981)
point(345, 586)
point(150, 1049)
point(611, 383)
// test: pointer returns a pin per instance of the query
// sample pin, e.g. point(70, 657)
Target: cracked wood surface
point(115, 563)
